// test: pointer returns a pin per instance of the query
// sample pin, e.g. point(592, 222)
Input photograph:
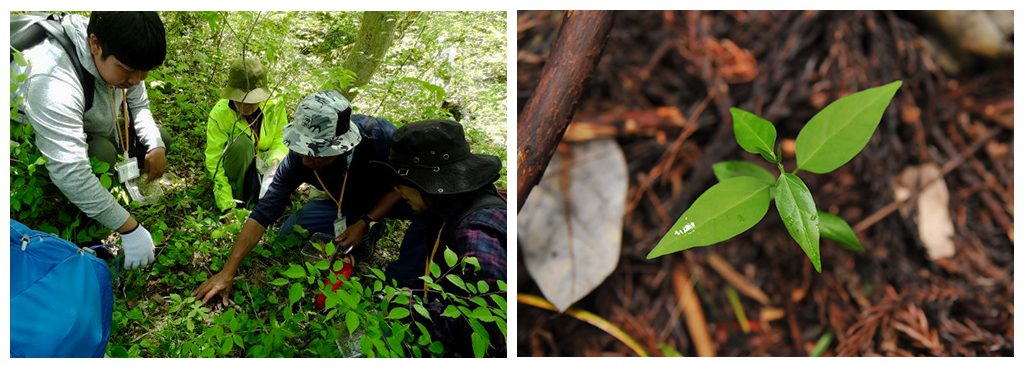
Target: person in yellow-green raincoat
point(243, 136)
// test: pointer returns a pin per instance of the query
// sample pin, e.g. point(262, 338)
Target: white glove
point(138, 248)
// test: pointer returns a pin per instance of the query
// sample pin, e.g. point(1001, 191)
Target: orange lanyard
point(426, 270)
point(113, 113)
point(341, 196)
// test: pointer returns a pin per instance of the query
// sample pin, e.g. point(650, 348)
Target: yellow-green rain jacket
point(225, 125)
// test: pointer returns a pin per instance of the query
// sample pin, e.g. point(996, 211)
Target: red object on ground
point(343, 274)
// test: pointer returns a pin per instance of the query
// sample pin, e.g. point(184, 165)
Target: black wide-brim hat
point(434, 156)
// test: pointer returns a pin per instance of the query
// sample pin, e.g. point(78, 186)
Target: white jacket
point(54, 100)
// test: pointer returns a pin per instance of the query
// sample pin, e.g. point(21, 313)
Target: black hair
point(342, 125)
point(136, 38)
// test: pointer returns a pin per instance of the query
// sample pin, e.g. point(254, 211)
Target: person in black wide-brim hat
point(453, 191)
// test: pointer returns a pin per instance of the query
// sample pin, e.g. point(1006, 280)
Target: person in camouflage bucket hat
point(322, 126)
point(330, 149)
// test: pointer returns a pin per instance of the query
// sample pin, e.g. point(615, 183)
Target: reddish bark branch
point(574, 54)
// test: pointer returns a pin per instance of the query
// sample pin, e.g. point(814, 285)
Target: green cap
point(247, 81)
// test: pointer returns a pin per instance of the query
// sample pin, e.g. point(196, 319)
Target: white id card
point(340, 225)
point(127, 170)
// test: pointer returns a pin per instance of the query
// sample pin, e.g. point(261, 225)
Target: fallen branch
point(574, 53)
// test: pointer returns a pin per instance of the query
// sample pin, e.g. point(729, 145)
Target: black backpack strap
point(55, 30)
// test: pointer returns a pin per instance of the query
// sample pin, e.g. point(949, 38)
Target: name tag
point(340, 225)
point(127, 170)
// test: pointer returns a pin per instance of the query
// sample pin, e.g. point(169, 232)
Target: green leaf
point(294, 293)
point(724, 211)
point(835, 228)
point(105, 181)
point(482, 314)
point(100, 167)
point(351, 321)
point(421, 310)
point(451, 311)
point(754, 134)
point(19, 58)
point(377, 273)
point(435, 270)
point(398, 313)
point(450, 258)
point(796, 206)
point(482, 286)
point(501, 326)
point(436, 348)
point(479, 301)
point(840, 130)
point(294, 272)
point(729, 169)
point(329, 248)
point(226, 345)
point(472, 261)
point(456, 280)
point(279, 282)
point(498, 300)
point(480, 343)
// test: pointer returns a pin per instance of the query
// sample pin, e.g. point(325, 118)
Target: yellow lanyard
point(341, 196)
point(113, 114)
point(426, 269)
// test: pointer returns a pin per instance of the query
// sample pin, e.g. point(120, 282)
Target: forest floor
point(891, 299)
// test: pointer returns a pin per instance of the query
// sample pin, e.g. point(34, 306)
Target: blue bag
point(61, 297)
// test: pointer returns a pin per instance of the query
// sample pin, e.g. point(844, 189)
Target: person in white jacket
point(118, 49)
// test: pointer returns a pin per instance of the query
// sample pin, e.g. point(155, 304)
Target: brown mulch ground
point(888, 300)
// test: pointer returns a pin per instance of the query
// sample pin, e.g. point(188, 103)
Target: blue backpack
point(61, 297)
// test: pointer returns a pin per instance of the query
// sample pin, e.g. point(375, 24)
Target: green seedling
point(741, 197)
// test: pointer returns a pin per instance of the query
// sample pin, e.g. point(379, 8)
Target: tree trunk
point(377, 32)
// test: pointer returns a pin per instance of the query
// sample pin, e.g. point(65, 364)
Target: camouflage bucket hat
point(247, 82)
point(322, 126)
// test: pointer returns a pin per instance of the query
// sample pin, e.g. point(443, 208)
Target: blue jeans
point(315, 216)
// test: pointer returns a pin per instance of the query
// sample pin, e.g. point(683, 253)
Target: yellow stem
point(587, 317)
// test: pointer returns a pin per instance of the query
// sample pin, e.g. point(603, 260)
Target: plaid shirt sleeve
point(482, 235)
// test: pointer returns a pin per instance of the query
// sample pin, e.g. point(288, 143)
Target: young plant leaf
point(729, 169)
point(294, 271)
point(796, 206)
point(398, 313)
point(450, 258)
point(724, 211)
point(754, 134)
point(351, 321)
point(835, 228)
point(840, 130)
